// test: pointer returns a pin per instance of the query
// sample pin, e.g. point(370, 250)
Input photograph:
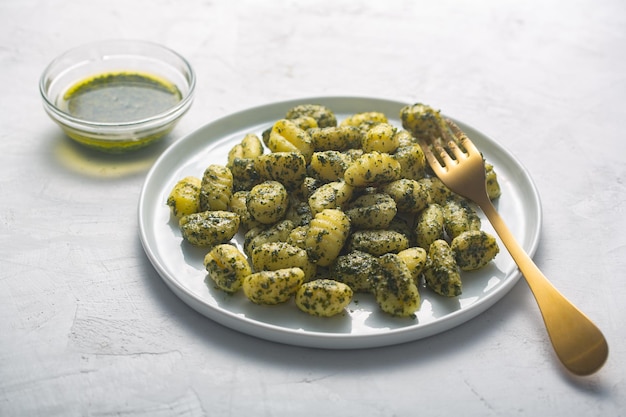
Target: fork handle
point(577, 341)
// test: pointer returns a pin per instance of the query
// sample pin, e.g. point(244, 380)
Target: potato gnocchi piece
point(359, 270)
point(305, 122)
point(278, 232)
point(216, 188)
point(322, 114)
point(280, 255)
point(323, 297)
point(442, 272)
point(474, 249)
point(415, 259)
point(272, 287)
point(423, 121)
point(227, 267)
point(209, 228)
point(368, 118)
point(299, 212)
point(409, 195)
point(239, 205)
point(381, 138)
point(249, 148)
point(307, 188)
point(329, 165)
point(337, 138)
point(184, 198)
point(330, 196)
point(396, 292)
point(412, 161)
point(268, 202)
point(288, 168)
point(438, 193)
point(401, 225)
point(459, 217)
point(286, 136)
point(429, 226)
point(245, 174)
point(326, 235)
point(493, 187)
point(353, 154)
point(404, 138)
point(372, 211)
point(378, 242)
point(372, 168)
point(297, 237)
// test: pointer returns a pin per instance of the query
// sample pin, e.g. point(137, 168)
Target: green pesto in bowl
point(120, 97)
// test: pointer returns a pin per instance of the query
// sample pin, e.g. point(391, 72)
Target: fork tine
point(444, 155)
point(466, 144)
point(456, 150)
point(433, 161)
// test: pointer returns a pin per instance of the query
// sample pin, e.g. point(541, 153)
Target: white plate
point(363, 325)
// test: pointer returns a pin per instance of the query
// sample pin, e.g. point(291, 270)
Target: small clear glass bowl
point(109, 57)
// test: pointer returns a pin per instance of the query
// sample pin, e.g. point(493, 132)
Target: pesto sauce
point(119, 97)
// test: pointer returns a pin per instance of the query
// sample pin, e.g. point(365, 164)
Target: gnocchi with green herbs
point(328, 209)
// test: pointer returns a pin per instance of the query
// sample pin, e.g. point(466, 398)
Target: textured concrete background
point(87, 326)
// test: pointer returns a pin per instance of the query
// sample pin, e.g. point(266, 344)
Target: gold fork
point(578, 343)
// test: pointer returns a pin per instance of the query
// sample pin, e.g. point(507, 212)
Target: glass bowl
point(103, 69)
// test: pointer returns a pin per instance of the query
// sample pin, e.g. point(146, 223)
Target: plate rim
point(310, 338)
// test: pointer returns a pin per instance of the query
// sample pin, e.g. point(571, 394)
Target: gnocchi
point(273, 287)
point(239, 205)
point(409, 195)
point(322, 114)
point(415, 259)
point(412, 161)
point(442, 272)
point(396, 292)
point(378, 242)
point(216, 188)
point(365, 118)
point(429, 225)
point(249, 147)
point(227, 267)
point(382, 138)
point(326, 235)
point(288, 168)
point(299, 212)
point(209, 228)
point(335, 138)
point(474, 249)
point(267, 202)
point(286, 136)
point(356, 269)
point(372, 211)
point(257, 236)
point(372, 168)
point(245, 173)
point(185, 197)
point(493, 186)
point(330, 196)
point(272, 256)
point(333, 209)
point(459, 217)
point(329, 165)
point(323, 297)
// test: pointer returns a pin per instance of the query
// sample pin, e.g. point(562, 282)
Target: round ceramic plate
point(363, 324)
